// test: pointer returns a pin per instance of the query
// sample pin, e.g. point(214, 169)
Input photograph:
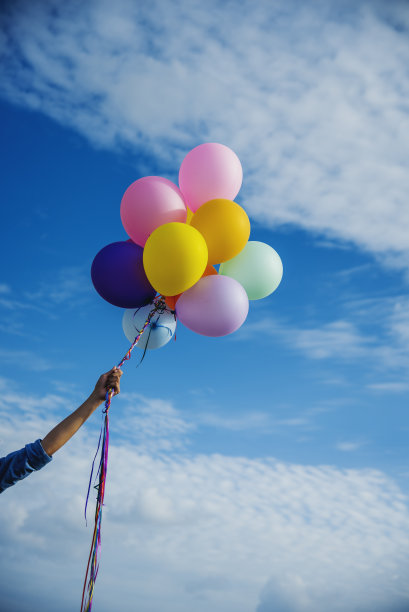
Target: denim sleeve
point(21, 463)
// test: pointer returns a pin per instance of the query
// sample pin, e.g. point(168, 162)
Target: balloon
point(210, 271)
point(225, 226)
point(172, 299)
point(189, 215)
point(210, 171)
point(159, 331)
point(174, 258)
point(215, 306)
point(257, 267)
point(119, 277)
point(148, 203)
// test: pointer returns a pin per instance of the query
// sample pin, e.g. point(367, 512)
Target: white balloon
point(159, 331)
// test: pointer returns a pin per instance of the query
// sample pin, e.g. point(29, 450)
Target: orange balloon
point(210, 270)
point(225, 226)
point(172, 299)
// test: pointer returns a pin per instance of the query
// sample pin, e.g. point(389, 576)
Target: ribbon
point(93, 560)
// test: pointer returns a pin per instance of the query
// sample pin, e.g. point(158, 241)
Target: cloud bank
point(203, 532)
point(313, 98)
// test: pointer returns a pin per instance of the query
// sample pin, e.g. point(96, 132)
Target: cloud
point(31, 359)
point(68, 288)
point(261, 422)
point(340, 339)
point(153, 424)
point(70, 285)
point(213, 531)
point(239, 422)
point(313, 98)
point(373, 332)
point(350, 446)
point(390, 387)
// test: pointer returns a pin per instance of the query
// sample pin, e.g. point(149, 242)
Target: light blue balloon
point(257, 267)
point(159, 331)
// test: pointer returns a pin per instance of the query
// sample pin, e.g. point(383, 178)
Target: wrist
point(95, 399)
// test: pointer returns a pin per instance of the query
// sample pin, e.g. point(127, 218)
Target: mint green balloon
point(257, 267)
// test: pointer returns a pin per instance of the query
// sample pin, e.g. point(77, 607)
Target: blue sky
point(262, 471)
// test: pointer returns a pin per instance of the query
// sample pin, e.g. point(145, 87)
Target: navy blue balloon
point(118, 275)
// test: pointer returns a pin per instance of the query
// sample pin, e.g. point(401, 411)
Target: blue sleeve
point(21, 463)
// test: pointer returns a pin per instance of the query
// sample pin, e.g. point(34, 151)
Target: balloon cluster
point(177, 236)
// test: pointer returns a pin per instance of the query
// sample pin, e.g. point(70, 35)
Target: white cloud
point(339, 339)
point(237, 422)
point(69, 285)
point(56, 293)
point(31, 359)
point(390, 387)
point(373, 332)
point(313, 98)
point(153, 424)
point(261, 422)
point(350, 446)
point(202, 532)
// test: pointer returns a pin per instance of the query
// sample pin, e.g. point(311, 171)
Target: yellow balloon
point(225, 226)
point(174, 258)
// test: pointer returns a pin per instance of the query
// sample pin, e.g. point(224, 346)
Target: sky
point(266, 471)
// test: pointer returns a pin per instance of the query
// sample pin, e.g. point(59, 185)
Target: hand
point(109, 380)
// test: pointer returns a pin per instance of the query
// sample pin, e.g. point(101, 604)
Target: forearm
point(62, 432)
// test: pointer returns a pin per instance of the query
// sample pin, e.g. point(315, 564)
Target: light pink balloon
point(210, 171)
point(215, 306)
point(148, 203)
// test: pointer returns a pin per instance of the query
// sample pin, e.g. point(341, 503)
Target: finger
point(113, 383)
point(114, 377)
point(114, 371)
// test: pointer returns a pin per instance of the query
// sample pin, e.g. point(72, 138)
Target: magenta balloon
point(215, 306)
point(148, 203)
point(208, 172)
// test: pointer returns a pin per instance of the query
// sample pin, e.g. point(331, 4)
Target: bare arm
point(62, 432)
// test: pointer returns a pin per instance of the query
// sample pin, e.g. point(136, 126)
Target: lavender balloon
point(215, 306)
point(118, 275)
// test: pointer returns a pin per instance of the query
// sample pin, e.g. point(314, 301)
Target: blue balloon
point(159, 331)
point(118, 275)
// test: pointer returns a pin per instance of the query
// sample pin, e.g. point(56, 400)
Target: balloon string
point(93, 562)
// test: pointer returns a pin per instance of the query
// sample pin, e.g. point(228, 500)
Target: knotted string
point(93, 564)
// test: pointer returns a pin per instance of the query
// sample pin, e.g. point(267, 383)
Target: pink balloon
point(215, 306)
point(148, 203)
point(210, 171)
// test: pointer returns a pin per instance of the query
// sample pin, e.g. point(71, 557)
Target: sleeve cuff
point(37, 457)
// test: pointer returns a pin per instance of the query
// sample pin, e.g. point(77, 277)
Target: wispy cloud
point(153, 424)
point(348, 446)
point(313, 98)
point(338, 339)
point(32, 360)
point(261, 422)
point(372, 332)
point(70, 286)
point(390, 387)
